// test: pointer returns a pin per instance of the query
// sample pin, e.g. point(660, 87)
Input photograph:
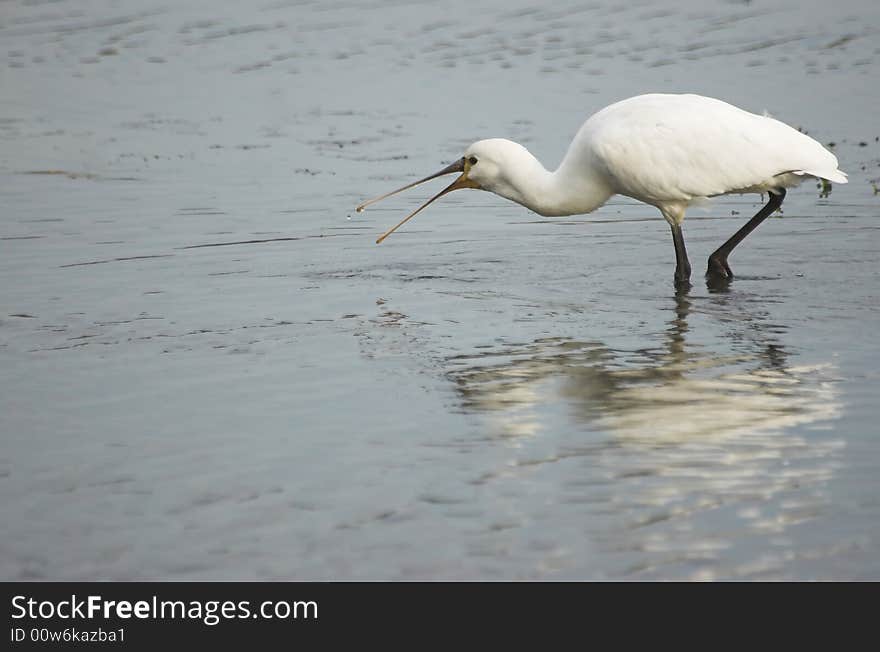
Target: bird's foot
point(682, 287)
point(682, 275)
point(718, 268)
point(718, 275)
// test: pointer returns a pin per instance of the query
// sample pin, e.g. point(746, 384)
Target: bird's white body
point(664, 150)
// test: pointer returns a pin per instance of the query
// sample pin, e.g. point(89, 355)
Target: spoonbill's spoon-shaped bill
point(461, 165)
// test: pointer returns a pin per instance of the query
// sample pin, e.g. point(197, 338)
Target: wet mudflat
point(210, 371)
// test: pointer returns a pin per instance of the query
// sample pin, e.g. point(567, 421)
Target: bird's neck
point(569, 190)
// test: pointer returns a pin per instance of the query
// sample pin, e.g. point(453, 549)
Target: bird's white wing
point(661, 148)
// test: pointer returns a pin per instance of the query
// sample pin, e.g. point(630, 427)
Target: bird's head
point(483, 167)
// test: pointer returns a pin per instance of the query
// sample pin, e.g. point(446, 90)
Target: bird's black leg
point(718, 267)
point(682, 264)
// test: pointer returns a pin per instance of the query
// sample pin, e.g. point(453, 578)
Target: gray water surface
point(208, 370)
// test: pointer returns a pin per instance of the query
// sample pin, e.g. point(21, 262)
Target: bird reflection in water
point(659, 440)
point(673, 392)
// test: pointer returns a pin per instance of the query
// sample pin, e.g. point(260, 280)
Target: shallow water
point(209, 370)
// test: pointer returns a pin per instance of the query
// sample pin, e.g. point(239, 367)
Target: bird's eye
point(472, 160)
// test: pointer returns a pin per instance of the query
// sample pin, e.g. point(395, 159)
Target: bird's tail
point(837, 176)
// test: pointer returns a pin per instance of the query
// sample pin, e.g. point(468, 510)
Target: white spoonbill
point(665, 150)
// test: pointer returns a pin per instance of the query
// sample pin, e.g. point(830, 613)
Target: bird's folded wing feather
point(679, 151)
